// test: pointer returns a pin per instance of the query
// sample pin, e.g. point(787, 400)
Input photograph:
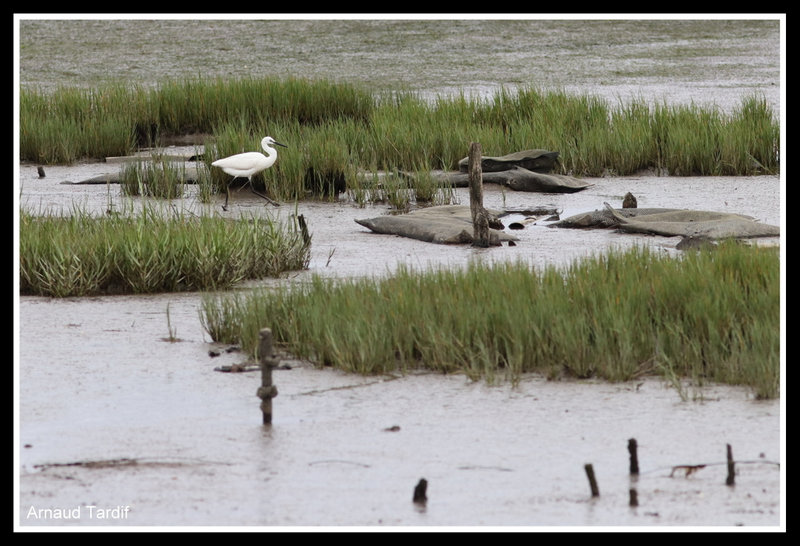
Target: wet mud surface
point(115, 415)
point(341, 247)
point(678, 61)
point(120, 427)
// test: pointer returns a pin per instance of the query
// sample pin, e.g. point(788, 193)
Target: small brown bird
point(629, 201)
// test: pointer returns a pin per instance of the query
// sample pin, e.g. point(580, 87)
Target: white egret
point(248, 164)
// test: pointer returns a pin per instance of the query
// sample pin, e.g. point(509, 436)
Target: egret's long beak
point(279, 144)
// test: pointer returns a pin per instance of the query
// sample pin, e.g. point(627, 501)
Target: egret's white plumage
point(248, 164)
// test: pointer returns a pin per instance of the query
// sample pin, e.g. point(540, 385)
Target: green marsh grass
point(154, 251)
point(339, 128)
point(157, 177)
point(709, 316)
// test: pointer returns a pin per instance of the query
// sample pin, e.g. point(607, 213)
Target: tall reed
point(709, 316)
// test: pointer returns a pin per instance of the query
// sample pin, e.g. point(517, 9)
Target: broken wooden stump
point(634, 458)
point(480, 218)
point(420, 496)
point(633, 470)
point(731, 479)
point(267, 390)
point(592, 481)
point(633, 497)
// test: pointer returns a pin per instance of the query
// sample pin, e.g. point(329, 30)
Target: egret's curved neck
point(271, 152)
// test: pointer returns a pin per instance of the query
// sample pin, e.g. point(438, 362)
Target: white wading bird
point(248, 164)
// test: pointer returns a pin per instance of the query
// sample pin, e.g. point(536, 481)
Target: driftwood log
point(696, 224)
point(190, 176)
point(687, 223)
point(541, 161)
point(602, 218)
point(446, 224)
point(518, 179)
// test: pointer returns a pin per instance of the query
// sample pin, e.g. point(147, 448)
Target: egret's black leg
point(264, 196)
point(252, 189)
point(227, 195)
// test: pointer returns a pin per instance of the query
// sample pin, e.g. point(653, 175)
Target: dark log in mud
point(541, 161)
point(518, 179)
point(190, 176)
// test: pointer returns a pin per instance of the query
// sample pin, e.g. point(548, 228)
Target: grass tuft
point(711, 315)
point(155, 251)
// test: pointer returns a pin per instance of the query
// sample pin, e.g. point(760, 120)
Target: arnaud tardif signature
point(90, 512)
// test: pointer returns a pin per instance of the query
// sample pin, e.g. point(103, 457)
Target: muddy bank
point(183, 445)
point(685, 61)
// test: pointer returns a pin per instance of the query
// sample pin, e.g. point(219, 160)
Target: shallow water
point(98, 382)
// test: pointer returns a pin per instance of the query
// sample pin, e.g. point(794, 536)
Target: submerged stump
point(592, 481)
point(267, 390)
point(731, 479)
point(634, 457)
point(420, 491)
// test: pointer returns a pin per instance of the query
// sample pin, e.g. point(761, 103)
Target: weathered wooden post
point(267, 390)
point(480, 218)
point(634, 458)
point(301, 221)
point(592, 481)
point(731, 479)
point(420, 496)
point(633, 495)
